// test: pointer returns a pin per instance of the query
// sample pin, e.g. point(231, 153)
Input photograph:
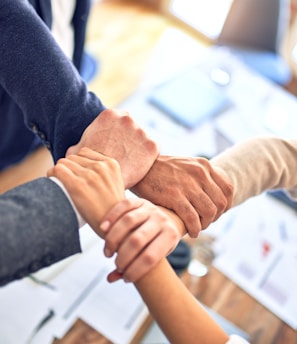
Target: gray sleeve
point(38, 227)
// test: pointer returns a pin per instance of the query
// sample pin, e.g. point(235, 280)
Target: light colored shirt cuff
point(80, 220)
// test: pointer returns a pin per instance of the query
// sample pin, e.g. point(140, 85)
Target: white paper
point(24, 305)
point(258, 251)
point(78, 289)
point(84, 293)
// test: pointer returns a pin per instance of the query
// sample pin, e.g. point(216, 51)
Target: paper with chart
point(257, 249)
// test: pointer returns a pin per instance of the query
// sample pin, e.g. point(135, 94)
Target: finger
point(208, 203)
point(84, 161)
point(145, 262)
point(64, 174)
point(187, 212)
point(86, 168)
point(225, 186)
point(114, 276)
point(211, 204)
point(118, 211)
point(121, 230)
point(91, 154)
point(50, 172)
point(138, 241)
point(79, 167)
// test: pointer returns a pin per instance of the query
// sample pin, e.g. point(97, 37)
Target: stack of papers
point(38, 313)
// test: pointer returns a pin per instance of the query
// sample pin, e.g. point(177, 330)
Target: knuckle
point(84, 150)
point(127, 119)
point(88, 176)
point(229, 190)
point(149, 258)
point(211, 210)
point(60, 161)
point(128, 202)
point(111, 164)
point(193, 224)
point(222, 205)
point(175, 194)
point(136, 239)
point(204, 162)
point(129, 220)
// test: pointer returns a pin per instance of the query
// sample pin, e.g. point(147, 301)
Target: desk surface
point(129, 33)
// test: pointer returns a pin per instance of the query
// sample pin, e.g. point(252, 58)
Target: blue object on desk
point(190, 98)
point(282, 196)
point(180, 257)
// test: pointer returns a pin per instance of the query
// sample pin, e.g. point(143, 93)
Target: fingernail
point(108, 252)
point(104, 225)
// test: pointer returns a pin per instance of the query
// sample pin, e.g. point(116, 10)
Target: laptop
point(205, 17)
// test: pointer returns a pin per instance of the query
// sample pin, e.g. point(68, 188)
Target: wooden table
point(122, 37)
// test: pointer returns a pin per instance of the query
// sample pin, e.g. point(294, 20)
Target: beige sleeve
point(259, 164)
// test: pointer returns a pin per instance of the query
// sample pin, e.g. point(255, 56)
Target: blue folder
point(190, 98)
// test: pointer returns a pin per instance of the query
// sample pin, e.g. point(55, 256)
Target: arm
point(38, 228)
point(141, 234)
point(249, 168)
point(178, 313)
point(252, 167)
point(42, 80)
point(38, 225)
point(115, 134)
point(259, 164)
point(55, 100)
point(138, 250)
point(94, 183)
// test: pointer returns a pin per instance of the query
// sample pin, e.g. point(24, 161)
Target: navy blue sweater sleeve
point(41, 80)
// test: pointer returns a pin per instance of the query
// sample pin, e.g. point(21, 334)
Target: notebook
point(190, 98)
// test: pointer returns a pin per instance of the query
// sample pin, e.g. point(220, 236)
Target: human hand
point(141, 234)
point(115, 134)
point(191, 187)
point(94, 183)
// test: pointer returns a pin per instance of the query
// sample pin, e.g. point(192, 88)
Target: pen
point(42, 322)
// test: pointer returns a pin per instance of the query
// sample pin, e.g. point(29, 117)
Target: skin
point(180, 316)
point(201, 197)
point(114, 133)
point(139, 250)
point(131, 222)
point(195, 190)
point(95, 184)
point(191, 187)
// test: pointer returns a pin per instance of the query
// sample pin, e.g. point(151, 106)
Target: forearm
point(259, 164)
point(178, 313)
point(38, 228)
point(42, 80)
